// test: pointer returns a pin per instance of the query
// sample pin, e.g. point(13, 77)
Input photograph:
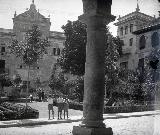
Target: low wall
point(120, 109)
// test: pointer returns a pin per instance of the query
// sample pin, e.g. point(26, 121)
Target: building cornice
point(147, 29)
point(132, 16)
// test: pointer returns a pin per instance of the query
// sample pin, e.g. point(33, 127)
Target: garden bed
point(10, 111)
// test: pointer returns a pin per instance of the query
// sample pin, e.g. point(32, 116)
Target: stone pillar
point(97, 14)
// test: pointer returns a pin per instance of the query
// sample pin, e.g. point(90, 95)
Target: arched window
point(54, 51)
point(121, 31)
point(142, 42)
point(126, 30)
point(155, 39)
point(131, 28)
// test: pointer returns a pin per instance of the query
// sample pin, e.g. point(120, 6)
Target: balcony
point(126, 50)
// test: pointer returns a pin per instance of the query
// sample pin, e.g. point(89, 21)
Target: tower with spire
point(127, 24)
point(137, 9)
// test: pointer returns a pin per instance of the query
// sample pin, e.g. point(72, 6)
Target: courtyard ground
point(136, 125)
point(42, 107)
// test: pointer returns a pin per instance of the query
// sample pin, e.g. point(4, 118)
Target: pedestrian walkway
point(45, 121)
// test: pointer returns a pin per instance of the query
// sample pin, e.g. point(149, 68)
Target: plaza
point(94, 79)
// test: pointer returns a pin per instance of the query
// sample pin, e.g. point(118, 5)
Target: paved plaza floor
point(137, 123)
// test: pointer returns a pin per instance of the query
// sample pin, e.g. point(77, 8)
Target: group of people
point(62, 104)
point(41, 95)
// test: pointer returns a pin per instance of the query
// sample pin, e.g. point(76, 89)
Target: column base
point(78, 130)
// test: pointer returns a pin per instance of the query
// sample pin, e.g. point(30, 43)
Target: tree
point(31, 49)
point(56, 80)
point(4, 81)
point(72, 59)
point(151, 86)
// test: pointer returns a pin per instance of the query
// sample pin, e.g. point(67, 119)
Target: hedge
point(75, 105)
point(134, 108)
point(119, 109)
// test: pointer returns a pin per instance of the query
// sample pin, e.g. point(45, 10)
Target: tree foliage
point(31, 48)
point(57, 81)
point(72, 59)
point(73, 56)
point(151, 85)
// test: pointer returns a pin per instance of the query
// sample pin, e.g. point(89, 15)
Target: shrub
point(75, 105)
point(21, 111)
point(126, 109)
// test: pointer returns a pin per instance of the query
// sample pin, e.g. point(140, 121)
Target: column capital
point(98, 9)
point(98, 6)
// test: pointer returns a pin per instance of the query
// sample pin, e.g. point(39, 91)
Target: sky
point(62, 10)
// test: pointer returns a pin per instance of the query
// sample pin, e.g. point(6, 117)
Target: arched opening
point(142, 42)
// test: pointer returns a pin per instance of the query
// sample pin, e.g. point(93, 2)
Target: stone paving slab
point(44, 121)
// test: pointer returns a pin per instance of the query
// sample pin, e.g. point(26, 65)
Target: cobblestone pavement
point(145, 125)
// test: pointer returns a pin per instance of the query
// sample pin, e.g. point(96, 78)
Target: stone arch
point(142, 42)
point(155, 39)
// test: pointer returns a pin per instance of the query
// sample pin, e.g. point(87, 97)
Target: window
point(155, 39)
point(142, 42)
point(131, 41)
point(37, 67)
point(124, 65)
point(121, 31)
point(2, 49)
point(141, 63)
point(58, 51)
point(131, 28)
point(20, 66)
point(54, 51)
point(2, 64)
point(126, 30)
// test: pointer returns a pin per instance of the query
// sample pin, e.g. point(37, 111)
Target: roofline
point(123, 17)
point(147, 29)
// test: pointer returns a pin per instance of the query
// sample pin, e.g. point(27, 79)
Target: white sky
point(62, 10)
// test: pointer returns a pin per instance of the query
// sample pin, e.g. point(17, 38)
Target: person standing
point(60, 107)
point(31, 98)
point(39, 94)
point(50, 106)
point(66, 107)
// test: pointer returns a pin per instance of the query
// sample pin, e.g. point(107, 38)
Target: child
point(50, 106)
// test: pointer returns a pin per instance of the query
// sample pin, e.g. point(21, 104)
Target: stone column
point(97, 14)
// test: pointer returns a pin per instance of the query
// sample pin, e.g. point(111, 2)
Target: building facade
point(140, 33)
point(21, 24)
